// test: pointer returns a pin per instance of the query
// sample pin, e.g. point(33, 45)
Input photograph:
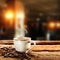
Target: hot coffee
point(22, 44)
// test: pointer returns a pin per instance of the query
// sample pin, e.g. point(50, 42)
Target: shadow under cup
point(22, 44)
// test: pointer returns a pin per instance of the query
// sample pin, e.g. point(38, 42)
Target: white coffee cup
point(22, 44)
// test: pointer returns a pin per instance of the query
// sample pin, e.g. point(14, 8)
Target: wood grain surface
point(38, 42)
point(37, 52)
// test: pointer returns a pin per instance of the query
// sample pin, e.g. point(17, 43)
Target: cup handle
point(31, 47)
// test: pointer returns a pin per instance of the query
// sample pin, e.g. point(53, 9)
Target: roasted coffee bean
point(11, 52)
point(5, 48)
point(6, 54)
point(11, 55)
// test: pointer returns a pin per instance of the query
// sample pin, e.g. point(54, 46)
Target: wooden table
point(40, 52)
point(38, 42)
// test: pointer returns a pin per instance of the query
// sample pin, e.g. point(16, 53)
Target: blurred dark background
point(39, 13)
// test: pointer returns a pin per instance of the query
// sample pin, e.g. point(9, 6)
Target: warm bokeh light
point(58, 24)
point(20, 15)
point(51, 25)
point(9, 15)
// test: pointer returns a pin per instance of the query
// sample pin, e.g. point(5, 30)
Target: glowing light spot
point(20, 15)
point(9, 15)
point(51, 25)
point(58, 25)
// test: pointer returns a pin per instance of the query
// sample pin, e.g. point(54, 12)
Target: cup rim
point(22, 38)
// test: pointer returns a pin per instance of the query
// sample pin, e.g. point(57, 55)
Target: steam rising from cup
point(19, 19)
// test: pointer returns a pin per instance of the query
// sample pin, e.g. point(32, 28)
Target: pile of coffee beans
point(11, 52)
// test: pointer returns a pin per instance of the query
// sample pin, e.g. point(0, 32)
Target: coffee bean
point(11, 52)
